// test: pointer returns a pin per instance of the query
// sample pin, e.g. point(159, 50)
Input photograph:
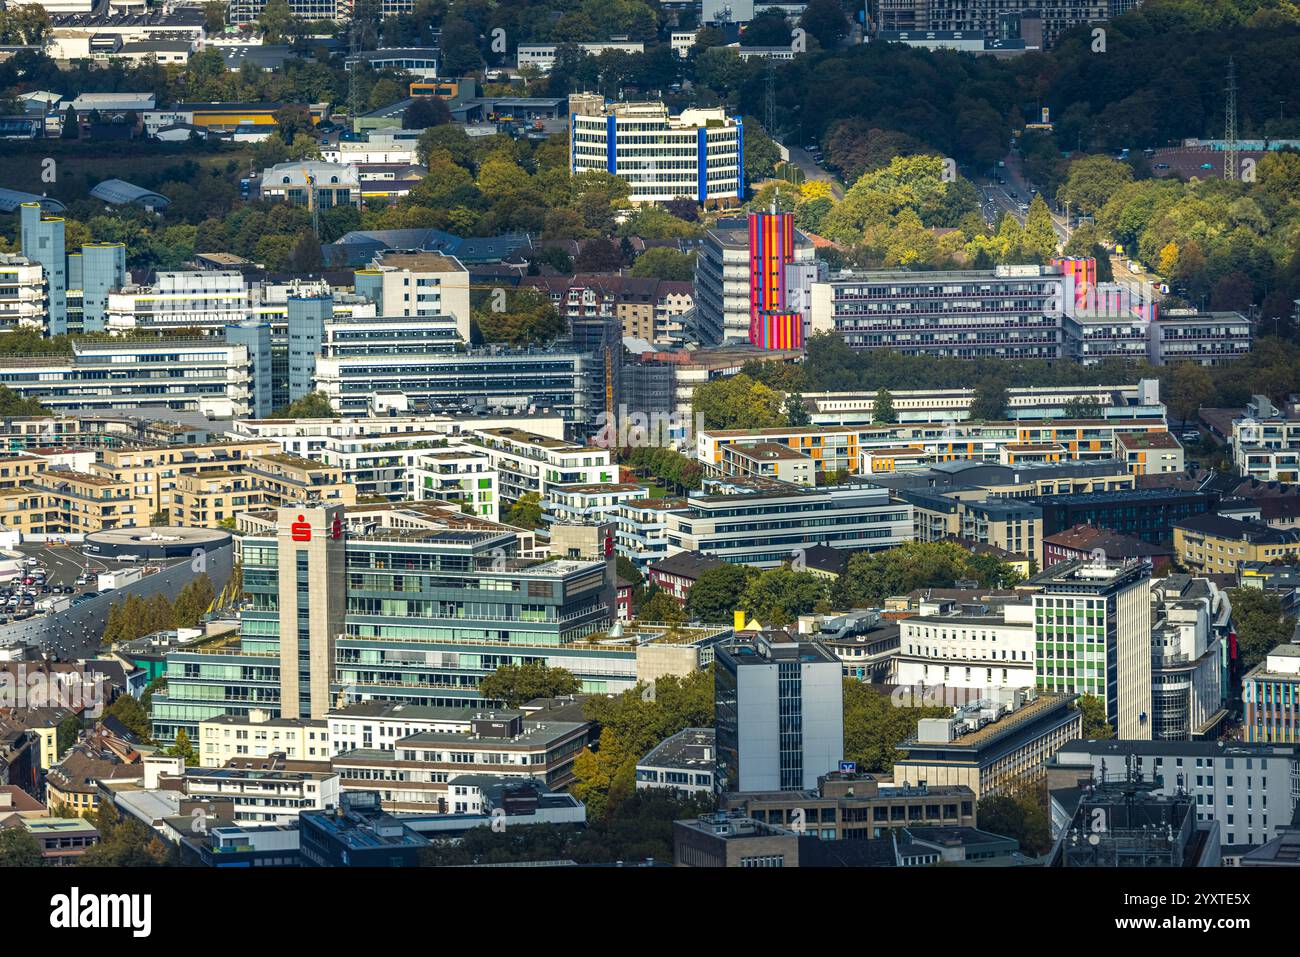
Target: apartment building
point(310, 183)
point(646, 308)
point(1266, 442)
point(641, 529)
point(1219, 545)
point(856, 806)
point(685, 763)
point(1211, 339)
point(417, 284)
point(759, 678)
point(1131, 401)
point(1010, 525)
point(155, 472)
point(541, 56)
point(529, 381)
point(227, 738)
point(584, 504)
point(725, 281)
point(207, 300)
point(273, 796)
point(23, 297)
point(698, 154)
point(886, 449)
point(1013, 312)
point(528, 463)
point(1191, 625)
point(284, 479)
point(461, 474)
point(75, 503)
point(1150, 453)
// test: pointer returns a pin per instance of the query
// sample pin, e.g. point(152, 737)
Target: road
point(804, 160)
point(998, 198)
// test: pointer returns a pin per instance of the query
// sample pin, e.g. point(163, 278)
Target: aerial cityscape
point(642, 434)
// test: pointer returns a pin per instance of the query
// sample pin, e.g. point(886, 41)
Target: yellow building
point(1218, 545)
point(22, 510)
point(284, 479)
point(208, 500)
point(153, 470)
point(81, 502)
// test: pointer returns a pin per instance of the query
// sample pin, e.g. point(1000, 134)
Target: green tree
point(527, 318)
point(825, 20)
point(184, 749)
point(275, 20)
point(1095, 725)
point(882, 410)
point(660, 606)
point(874, 726)
point(526, 512)
point(1260, 623)
point(123, 841)
point(717, 593)
point(1189, 386)
point(19, 849)
point(796, 411)
point(1040, 234)
point(737, 402)
point(1092, 181)
point(778, 596)
point(68, 731)
point(1019, 813)
point(989, 403)
point(1083, 407)
point(313, 405)
point(631, 724)
point(12, 404)
point(517, 684)
point(129, 711)
point(664, 262)
point(871, 577)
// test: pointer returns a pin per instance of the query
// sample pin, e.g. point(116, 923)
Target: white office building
point(1249, 789)
point(770, 526)
point(541, 56)
point(970, 646)
point(779, 707)
point(22, 293)
point(699, 154)
point(181, 299)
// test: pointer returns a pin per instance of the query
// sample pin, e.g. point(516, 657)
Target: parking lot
point(57, 567)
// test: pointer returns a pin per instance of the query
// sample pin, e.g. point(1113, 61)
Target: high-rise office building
point(307, 316)
point(100, 268)
point(697, 155)
point(726, 275)
point(773, 323)
point(1092, 633)
point(42, 242)
point(779, 713)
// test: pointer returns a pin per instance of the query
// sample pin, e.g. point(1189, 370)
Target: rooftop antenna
point(769, 98)
point(1230, 125)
